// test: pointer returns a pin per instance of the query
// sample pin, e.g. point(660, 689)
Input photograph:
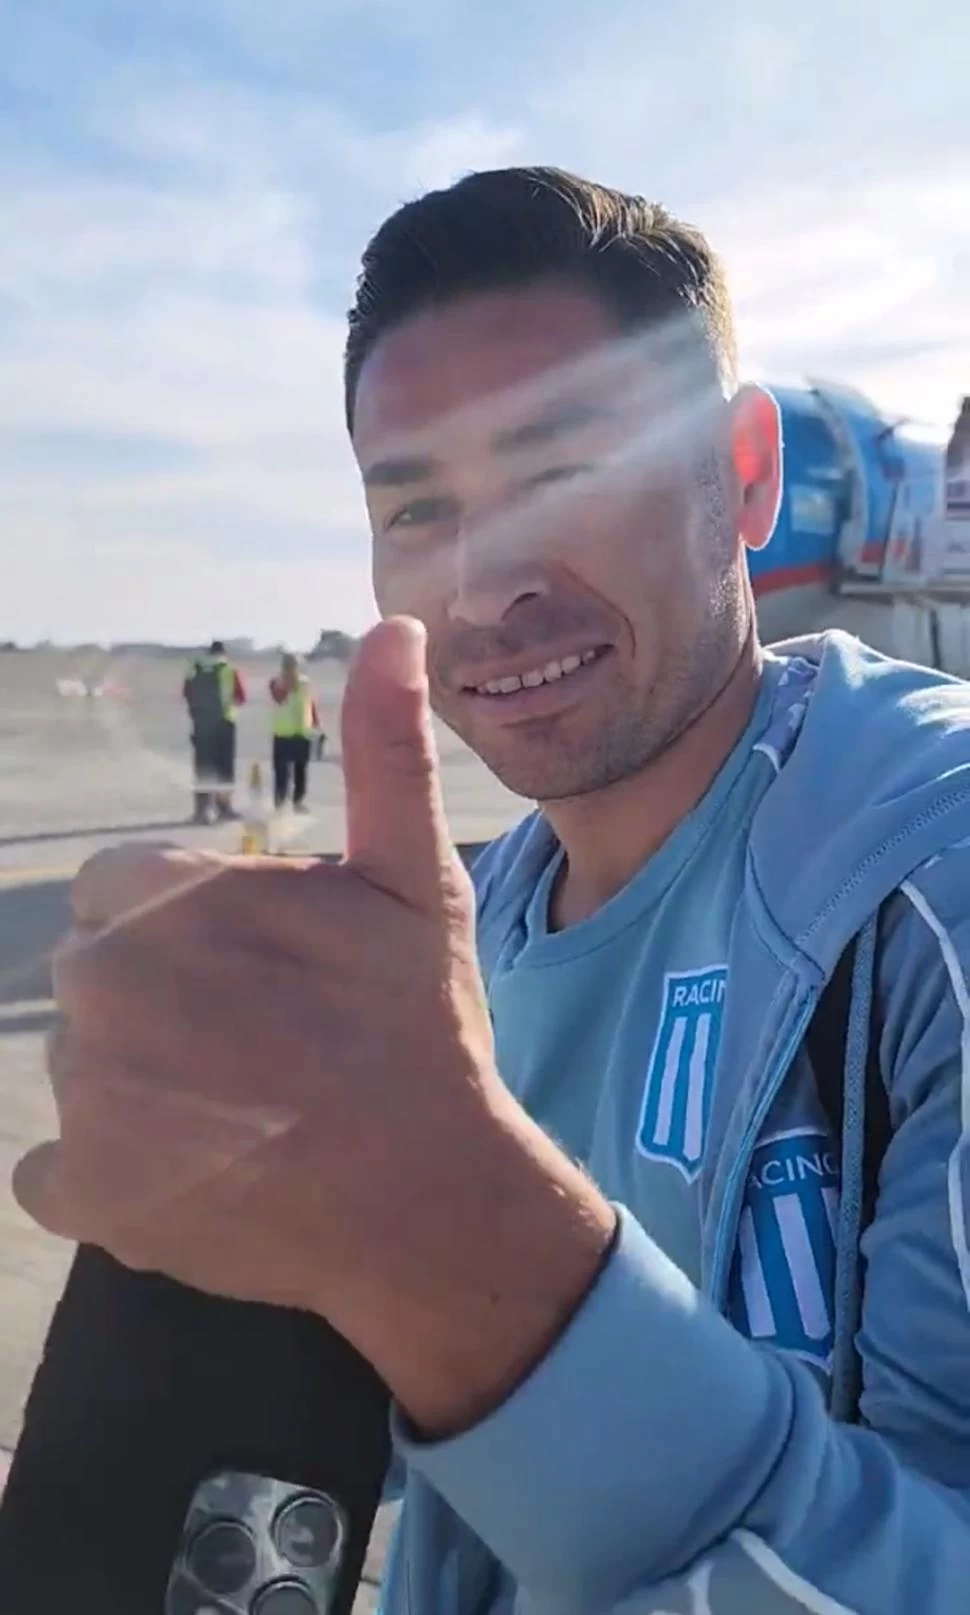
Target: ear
point(756, 454)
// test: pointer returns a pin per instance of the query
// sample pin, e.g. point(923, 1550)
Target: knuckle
point(253, 901)
point(133, 884)
point(85, 889)
point(177, 883)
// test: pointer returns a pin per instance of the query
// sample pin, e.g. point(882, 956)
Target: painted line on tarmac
point(38, 874)
point(27, 1006)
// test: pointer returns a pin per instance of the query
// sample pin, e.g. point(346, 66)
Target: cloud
point(441, 152)
point(867, 285)
point(138, 586)
point(182, 213)
point(189, 314)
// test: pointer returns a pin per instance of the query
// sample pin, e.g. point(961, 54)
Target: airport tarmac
point(78, 773)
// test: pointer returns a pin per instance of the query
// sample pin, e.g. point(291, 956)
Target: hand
point(275, 1081)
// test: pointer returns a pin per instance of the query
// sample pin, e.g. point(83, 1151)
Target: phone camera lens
point(306, 1531)
point(222, 1557)
point(283, 1598)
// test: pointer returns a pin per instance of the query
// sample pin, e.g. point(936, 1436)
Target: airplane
point(874, 509)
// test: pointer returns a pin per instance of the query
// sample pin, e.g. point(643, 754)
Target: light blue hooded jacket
point(656, 1460)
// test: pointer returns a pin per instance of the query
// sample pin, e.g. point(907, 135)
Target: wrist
point(518, 1242)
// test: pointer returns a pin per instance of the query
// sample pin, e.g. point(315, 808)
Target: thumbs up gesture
point(275, 1081)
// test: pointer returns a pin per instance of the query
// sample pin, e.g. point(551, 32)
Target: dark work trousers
point(291, 755)
point(214, 757)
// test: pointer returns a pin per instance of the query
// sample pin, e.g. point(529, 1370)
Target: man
point(213, 692)
point(295, 721)
point(577, 1198)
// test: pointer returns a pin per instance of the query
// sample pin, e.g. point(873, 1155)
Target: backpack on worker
point(203, 694)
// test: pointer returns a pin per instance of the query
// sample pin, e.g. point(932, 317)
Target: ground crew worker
point(213, 692)
point(295, 720)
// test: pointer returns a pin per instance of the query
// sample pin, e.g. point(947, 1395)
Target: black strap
point(826, 1043)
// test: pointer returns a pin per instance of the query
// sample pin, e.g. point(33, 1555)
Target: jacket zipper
point(729, 1208)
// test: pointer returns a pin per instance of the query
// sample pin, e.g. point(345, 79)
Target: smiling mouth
point(552, 672)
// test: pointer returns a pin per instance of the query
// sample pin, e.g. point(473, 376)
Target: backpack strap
point(825, 1041)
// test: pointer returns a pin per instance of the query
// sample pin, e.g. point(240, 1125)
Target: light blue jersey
point(680, 1448)
point(607, 1031)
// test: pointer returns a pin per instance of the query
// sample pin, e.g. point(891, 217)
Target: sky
point(186, 187)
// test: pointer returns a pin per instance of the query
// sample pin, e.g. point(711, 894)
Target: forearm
point(654, 1445)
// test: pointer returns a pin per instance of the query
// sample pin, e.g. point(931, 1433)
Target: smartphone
point(253, 1545)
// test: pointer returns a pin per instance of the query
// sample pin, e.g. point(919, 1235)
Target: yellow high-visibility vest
point(294, 716)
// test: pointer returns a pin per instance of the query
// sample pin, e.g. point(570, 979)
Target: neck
point(609, 835)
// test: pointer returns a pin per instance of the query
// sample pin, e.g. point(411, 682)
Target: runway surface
point(79, 773)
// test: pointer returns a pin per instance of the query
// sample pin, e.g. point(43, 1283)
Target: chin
point(545, 773)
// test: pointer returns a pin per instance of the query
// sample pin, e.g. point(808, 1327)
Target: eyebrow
point(399, 472)
point(404, 470)
point(552, 423)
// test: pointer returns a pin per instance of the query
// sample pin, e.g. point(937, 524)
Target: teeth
point(537, 675)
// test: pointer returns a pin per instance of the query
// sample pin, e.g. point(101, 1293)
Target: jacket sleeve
point(657, 1461)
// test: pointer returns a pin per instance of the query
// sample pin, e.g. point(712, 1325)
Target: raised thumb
point(397, 834)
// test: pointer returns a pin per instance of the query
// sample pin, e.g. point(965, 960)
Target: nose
point(490, 581)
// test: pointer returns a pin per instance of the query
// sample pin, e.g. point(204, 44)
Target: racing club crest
point(781, 1289)
point(677, 1092)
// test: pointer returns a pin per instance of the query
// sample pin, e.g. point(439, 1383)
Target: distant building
point(333, 646)
point(149, 648)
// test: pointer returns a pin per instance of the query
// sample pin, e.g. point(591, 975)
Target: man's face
point(556, 502)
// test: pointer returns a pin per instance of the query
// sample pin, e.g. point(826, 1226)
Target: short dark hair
point(217, 648)
point(509, 227)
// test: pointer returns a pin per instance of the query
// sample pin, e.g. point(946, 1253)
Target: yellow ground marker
point(36, 875)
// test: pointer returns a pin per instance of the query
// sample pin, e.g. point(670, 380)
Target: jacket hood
point(877, 783)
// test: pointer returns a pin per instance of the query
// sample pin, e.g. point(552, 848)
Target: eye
point(422, 512)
